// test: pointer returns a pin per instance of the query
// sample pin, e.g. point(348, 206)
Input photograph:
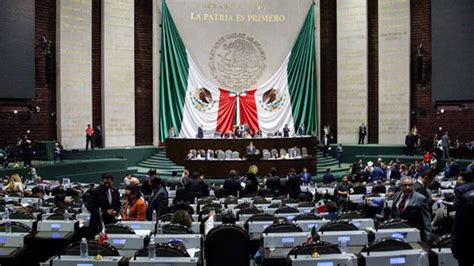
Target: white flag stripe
point(270, 120)
point(192, 116)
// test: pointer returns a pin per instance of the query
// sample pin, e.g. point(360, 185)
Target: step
point(159, 162)
point(160, 157)
point(171, 168)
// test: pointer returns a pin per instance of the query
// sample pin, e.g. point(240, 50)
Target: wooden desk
point(178, 148)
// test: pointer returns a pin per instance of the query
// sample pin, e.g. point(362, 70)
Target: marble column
point(118, 73)
point(74, 71)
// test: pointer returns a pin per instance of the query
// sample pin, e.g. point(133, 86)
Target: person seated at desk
point(183, 218)
point(228, 218)
point(251, 149)
point(238, 131)
point(134, 208)
point(190, 155)
point(59, 204)
point(14, 186)
point(210, 154)
point(258, 134)
point(277, 134)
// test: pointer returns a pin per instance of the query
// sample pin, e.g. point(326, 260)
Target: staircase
point(163, 165)
point(324, 163)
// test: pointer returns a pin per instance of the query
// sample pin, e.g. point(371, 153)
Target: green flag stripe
point(302, 76)
point(173, 76)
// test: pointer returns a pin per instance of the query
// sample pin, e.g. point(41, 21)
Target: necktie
point(109, 197)
point(401, 205)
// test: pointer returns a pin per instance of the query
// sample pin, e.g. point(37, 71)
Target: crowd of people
point(413, 191)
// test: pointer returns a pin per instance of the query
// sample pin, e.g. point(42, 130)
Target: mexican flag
point(188, 100)
point(289, 96)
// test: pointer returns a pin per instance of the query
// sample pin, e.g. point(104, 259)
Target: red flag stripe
point(225, 114)
point(248, 110)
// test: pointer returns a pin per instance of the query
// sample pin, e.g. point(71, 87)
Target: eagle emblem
point(202, 100)
point(272, 100)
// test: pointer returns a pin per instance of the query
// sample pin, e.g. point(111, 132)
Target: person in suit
point(421, 185)
point(277, 134)
point(342, 191)
point(232, 183)
point(339, 154)
point(197, 187)
point(362, 133)
point(395, 172)
point(286, 131)
point(251, 184)
point(134, 208)
point(103, 201)
point(463, 231)
point(251, 149)
point(328, 178)
point(273, 182)
point(305, 176)
point(98, 137)
point(293, 184)
point(445, 142)
point(200, 133)
point(302, 130)
point(325, 145)
point(410, 143)
point(159, 198)
point(413, 207)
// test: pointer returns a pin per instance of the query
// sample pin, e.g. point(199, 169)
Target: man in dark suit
point(251, 149)
point(413, 207)
point(302, 130)
point(463, 231)
point(158, 202)
point(286, 131)
point(422, 182)
point(293, 184)
point(395, 172)
point(200, 133)
point(197, 187)
point(104, 201)
point(232, 183)
point(328, 178)
point(410, 143)
point(362, 133)
point(273, 182)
